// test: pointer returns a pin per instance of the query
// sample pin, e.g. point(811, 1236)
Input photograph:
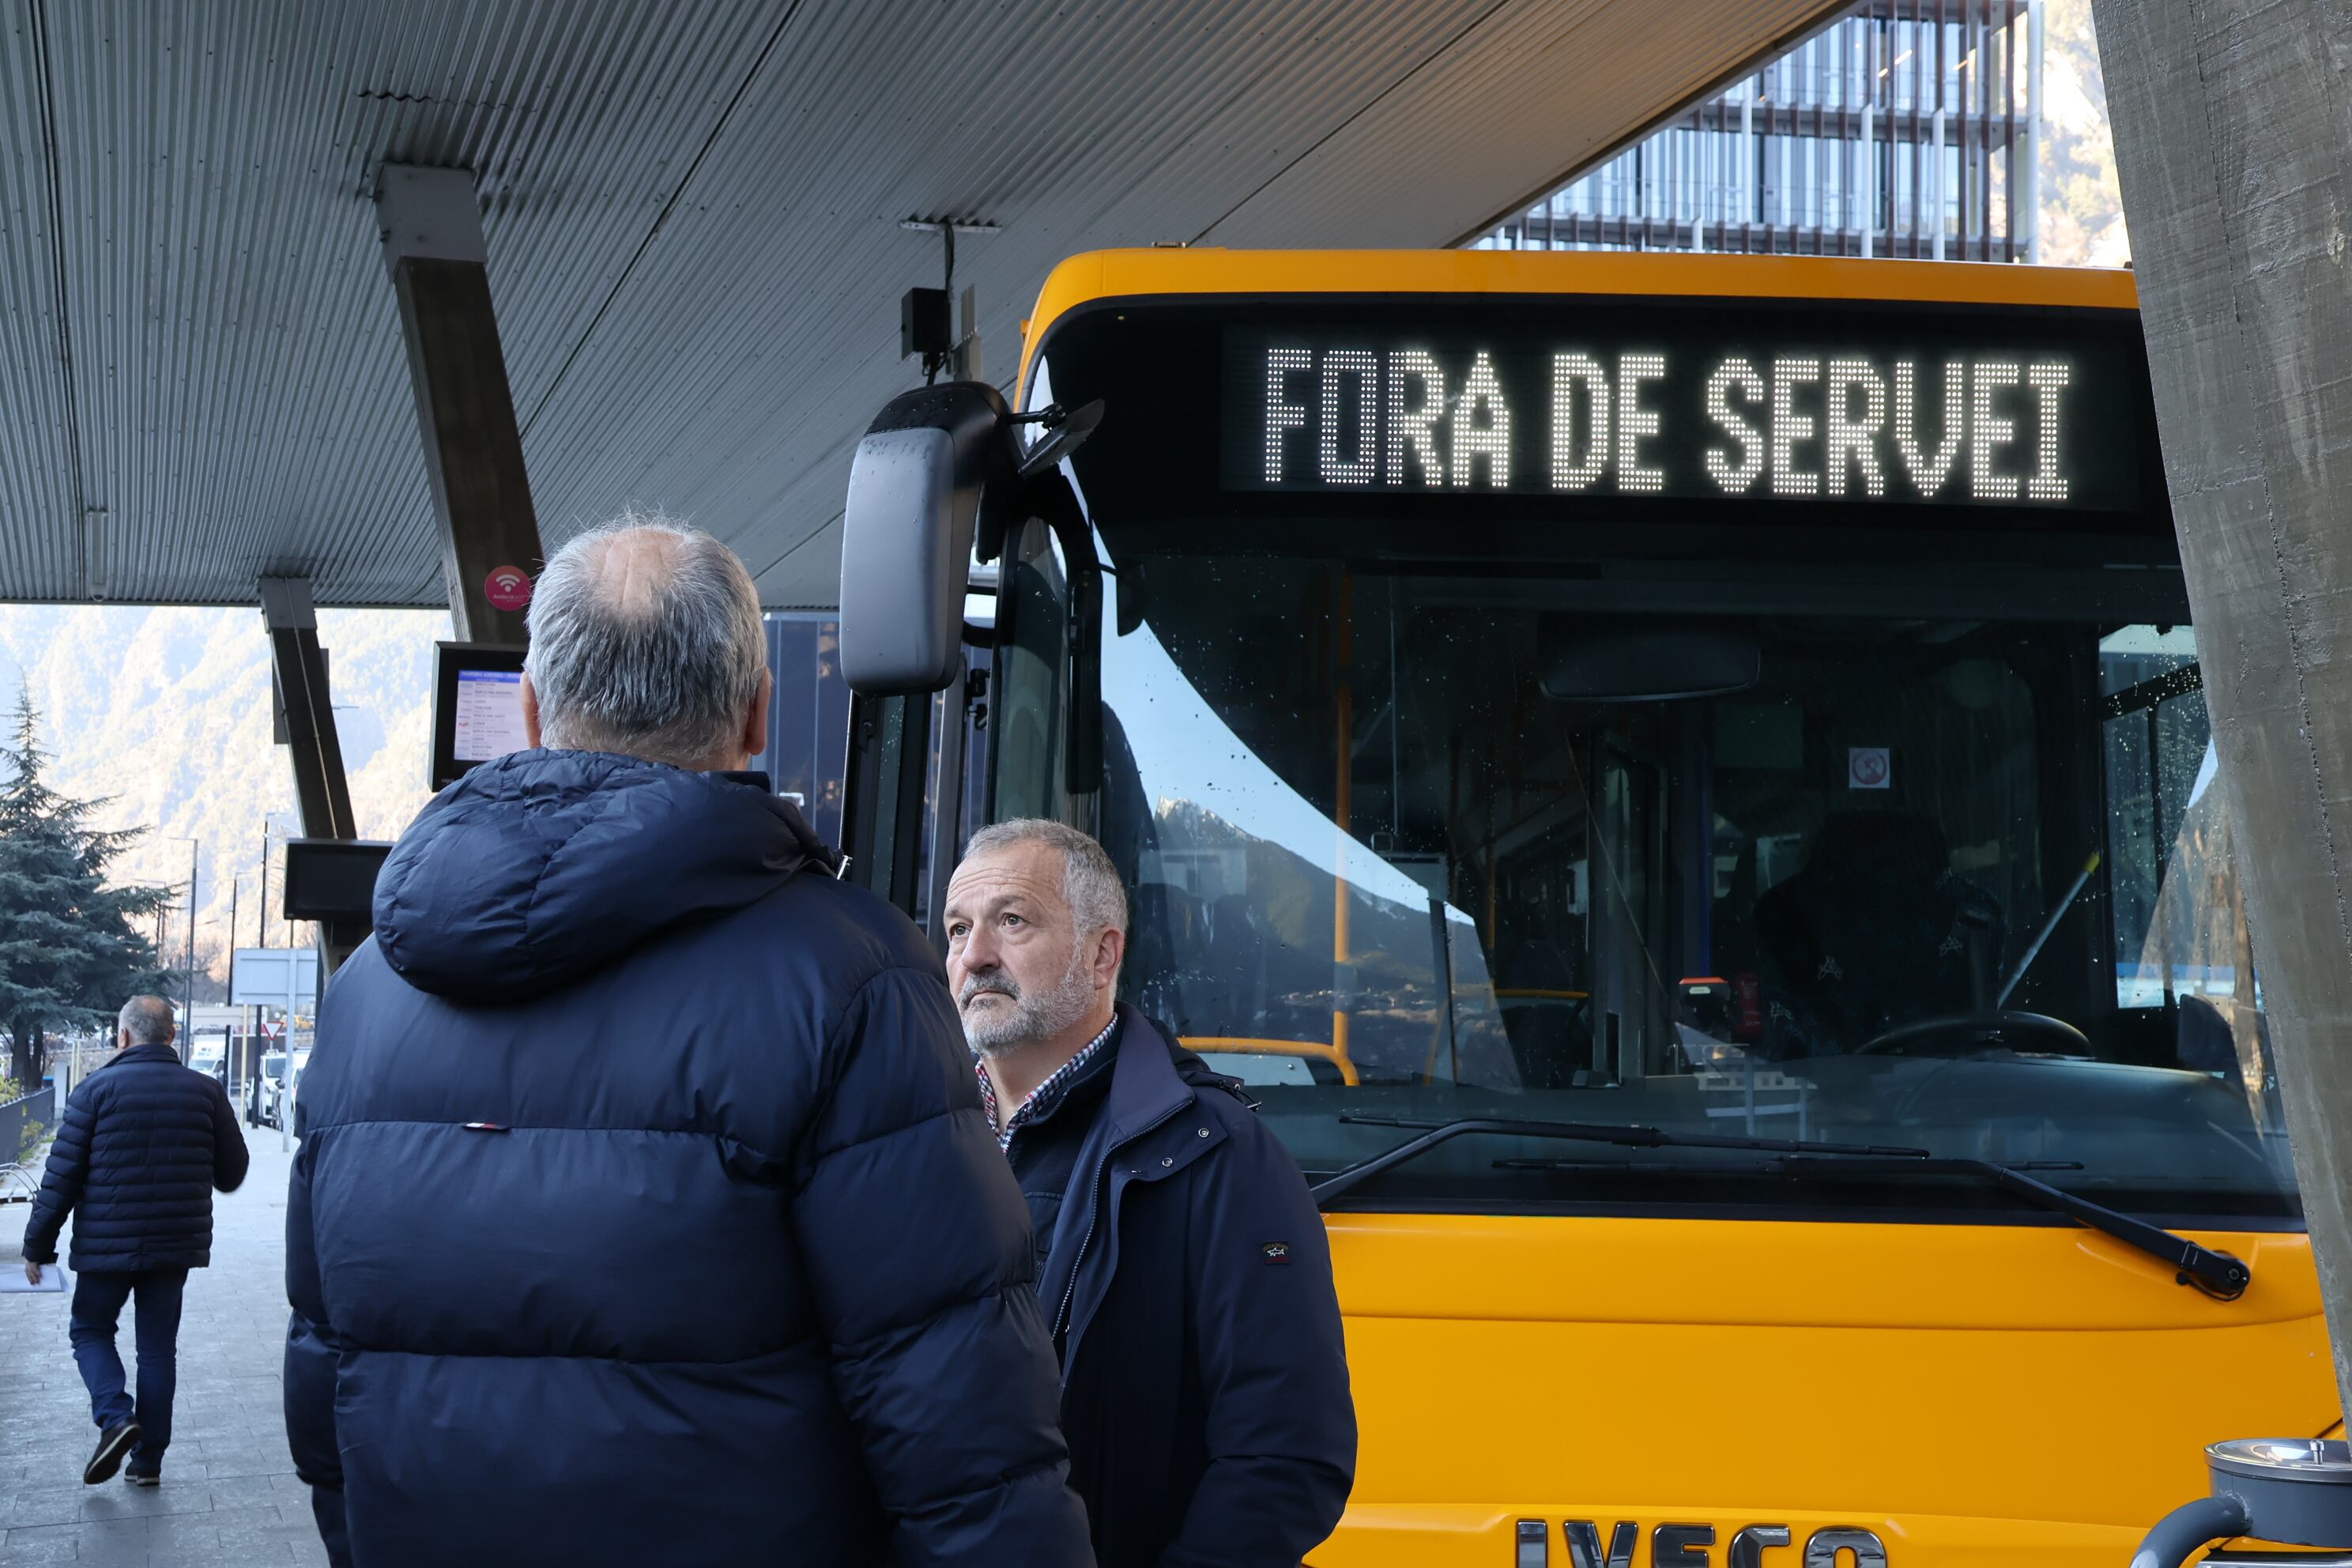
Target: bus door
point(1030, 686)
point(917, 785)
point(926, 771)
point(882, 817)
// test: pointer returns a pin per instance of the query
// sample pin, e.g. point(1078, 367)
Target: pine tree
point(69, 954)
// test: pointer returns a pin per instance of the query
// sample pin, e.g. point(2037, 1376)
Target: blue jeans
point(97, 1307)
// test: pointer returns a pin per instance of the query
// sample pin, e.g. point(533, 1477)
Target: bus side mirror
point(915, 488)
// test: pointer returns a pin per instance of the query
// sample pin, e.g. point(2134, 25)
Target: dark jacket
point(1188, 1284)
point(646, 1211)
point(143, 1143)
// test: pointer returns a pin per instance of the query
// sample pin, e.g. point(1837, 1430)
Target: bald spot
point(630, 569)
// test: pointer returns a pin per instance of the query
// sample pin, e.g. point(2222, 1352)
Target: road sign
point(266, 975)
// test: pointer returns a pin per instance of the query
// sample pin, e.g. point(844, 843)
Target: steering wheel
point(1983, 1027)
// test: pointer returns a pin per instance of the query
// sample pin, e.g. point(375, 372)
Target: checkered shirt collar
point(1046, 1095)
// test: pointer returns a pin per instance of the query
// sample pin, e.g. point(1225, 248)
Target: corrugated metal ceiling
point(692, 210)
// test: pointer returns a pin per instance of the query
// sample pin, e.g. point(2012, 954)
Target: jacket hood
point(535, 869)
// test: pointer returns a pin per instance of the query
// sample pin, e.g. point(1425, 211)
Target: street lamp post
point(188, 986)
point(257, 1044)
point(263, 930)
point(229, 1032)
point(196, 849)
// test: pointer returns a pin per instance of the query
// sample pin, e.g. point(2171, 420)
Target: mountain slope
point(166, 713)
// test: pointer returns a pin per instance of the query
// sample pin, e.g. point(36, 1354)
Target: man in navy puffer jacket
point(645, 1210)
point(143, 1143)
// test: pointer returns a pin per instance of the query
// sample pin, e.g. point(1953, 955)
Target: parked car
point(263, 1094)
point(301, 1066)
point(269, 1099)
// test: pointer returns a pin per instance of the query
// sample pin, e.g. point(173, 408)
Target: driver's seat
point(1876, 931)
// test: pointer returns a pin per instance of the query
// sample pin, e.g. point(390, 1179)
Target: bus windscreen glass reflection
point(1400, 848)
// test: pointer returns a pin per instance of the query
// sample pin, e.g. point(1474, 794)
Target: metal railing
point(20, 1122)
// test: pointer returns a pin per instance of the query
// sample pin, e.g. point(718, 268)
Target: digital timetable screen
point(1634, 404)
point(489, 715)
point(476, 708)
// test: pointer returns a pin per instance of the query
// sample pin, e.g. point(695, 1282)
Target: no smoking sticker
point(1869, 767)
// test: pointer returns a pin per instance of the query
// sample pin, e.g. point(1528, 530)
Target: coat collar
point(1145, 1087)
point(1147, 1092)
point(148, 1054)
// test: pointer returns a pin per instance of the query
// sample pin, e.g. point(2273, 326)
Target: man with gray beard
point(1181, 1265)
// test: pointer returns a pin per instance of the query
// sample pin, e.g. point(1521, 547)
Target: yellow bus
point(1680, 785)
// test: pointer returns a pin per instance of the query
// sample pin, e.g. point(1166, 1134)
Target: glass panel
point(2185, 977)
point(809, 722)
point(1031, 675)
point(890, 758)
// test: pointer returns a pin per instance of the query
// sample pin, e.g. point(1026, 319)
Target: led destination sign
point(1677, 414)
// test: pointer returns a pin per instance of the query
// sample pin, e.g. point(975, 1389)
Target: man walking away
point(646, 1211)
point(143, 1143)
point(1186, 1278)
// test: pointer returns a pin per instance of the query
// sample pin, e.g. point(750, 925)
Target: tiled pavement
point(229, 1495)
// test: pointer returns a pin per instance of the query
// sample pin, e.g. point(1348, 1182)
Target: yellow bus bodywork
point(1970, 1393)
point(2008, 1395)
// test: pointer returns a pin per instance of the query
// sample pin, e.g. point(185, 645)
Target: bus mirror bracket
point(1042, 491)
point(917, 486)
point(1063, 432)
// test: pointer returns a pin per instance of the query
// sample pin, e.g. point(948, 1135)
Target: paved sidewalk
point(229, 1495)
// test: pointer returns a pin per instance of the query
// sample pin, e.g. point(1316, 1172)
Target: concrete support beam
point(2233, 139)
point(434, 248)
point(321, 792)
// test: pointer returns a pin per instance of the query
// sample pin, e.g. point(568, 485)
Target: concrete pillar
point(2234, 146)
point(433, 246)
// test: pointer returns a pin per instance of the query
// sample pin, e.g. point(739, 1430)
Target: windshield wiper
point(1722, 1167)
point(1432, 1133)
point(2217, 1274)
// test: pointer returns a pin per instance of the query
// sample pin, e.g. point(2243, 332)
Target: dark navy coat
point(143, 1143)
point(646, 1211)
point(1188, 1284)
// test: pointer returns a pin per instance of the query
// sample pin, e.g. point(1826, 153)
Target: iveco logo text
point(1688, 1545)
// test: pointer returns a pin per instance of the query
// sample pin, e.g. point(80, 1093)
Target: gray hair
point(658, 663)
point(147, 1020)
point(1090, 883)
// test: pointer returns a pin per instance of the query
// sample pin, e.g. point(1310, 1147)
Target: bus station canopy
point(695, 219)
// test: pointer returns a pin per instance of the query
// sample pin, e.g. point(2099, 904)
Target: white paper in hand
point(14, 1283)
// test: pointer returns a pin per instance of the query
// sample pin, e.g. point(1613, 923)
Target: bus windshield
point(1413, 846)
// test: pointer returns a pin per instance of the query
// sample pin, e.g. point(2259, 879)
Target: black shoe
point(112, 1443)
point(141, 1478)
